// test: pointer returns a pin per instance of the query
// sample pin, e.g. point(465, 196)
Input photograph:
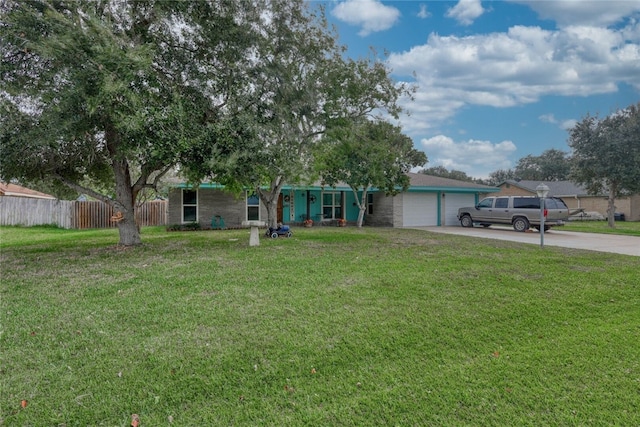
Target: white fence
point(73, 214)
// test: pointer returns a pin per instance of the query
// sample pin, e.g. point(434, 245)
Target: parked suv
point(520, 211)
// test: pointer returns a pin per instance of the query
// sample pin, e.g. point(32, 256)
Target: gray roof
point(422, 180)
point(556, 188)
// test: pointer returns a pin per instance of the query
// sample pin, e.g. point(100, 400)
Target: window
point(502, 202)
point(486, 203)
point(526, 203)
point(370, 203)
point(253, 207)
point(553, 203)
point(332, 205)
point(189, 205)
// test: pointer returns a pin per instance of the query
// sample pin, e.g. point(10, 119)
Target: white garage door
point(453, 201)
point(419, 209)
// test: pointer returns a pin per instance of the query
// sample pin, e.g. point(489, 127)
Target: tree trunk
point(125, 196)
point(270, 200)
point(361, 215)
point(272, 212)
point(125, 203)
point(362, 205)
point(611, 207)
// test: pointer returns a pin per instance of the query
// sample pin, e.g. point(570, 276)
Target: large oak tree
point(606, 154)
point(115, 93)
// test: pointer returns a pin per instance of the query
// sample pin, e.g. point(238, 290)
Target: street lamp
point(542, 191)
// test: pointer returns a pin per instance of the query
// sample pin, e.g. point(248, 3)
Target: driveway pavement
point(626, 245)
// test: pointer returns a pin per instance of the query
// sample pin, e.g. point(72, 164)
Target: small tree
point(365, 154)
point(606, 155)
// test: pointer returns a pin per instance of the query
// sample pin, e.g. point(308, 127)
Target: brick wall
point(383, 211)
point(211, 202)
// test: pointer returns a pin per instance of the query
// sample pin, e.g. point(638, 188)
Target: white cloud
point(423, 13)
point(548, 118)
point(371, 15)
point(515, 68)
point(580, 12)
point(476, 158)
point(568, 124)
point(466, 11)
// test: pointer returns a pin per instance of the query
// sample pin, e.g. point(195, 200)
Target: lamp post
point(542, 191)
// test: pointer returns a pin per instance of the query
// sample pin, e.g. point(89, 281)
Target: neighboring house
point(19, 191)
point(575, 197)
point(429, 201)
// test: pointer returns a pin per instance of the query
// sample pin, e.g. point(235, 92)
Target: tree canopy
point(112, 94)
point(443, 172)
point(365, 154)
point(301, 84)
point(606, 154)
point(551, 165)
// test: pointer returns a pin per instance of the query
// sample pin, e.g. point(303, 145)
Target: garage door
point(419, 209)
point(453, 201)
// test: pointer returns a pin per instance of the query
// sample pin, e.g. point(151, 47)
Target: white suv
point(522, 212)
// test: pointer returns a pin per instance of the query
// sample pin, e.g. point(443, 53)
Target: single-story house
point(429, 201)
point(575, 197)
point(8, 189)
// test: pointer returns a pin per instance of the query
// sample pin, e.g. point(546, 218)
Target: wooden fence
point(74, 214)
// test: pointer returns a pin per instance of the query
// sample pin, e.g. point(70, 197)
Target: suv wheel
point(466, 221)
point(520, 224)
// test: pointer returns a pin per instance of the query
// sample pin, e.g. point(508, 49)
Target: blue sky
point(498, 80)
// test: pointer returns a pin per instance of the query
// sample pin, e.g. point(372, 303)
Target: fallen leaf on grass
point(24, 403)
point(496, 354)
point(313, 370)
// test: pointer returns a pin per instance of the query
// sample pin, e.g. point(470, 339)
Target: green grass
point(335, 326)
point(621, 227)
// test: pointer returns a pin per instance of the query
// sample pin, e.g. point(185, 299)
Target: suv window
point(526, 203)
point(502, 202)
point(486, 203)
point(554, 203)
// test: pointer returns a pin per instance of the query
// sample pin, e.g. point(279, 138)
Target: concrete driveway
point(626, 245)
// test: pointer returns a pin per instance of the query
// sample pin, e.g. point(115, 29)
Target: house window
point(253, 207)
point(189, 205)
point(370, 203)
point(332, 205)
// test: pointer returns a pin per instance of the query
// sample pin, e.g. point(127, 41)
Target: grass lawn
point(622, 227)
point(334, 326)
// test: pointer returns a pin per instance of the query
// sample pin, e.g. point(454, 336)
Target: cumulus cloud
point(371, 15)
point(476, 158)
point(580, 12)
point(466, 11)
point(515, 68)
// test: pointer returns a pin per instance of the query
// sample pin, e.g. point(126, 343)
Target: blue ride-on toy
point(282, 230)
